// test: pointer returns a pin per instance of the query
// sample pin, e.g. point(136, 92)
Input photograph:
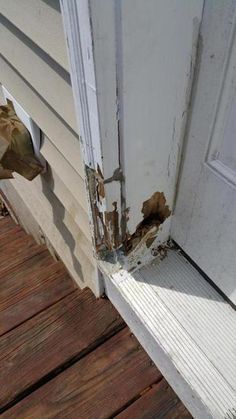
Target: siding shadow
point(58, 217)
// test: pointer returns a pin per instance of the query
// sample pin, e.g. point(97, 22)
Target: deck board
point(68, 329)
point(10, 241)
point(7, 226)
point(31, 287)
point(64, 353)
point(160, 401)
point(96, 386)
point(17, 253)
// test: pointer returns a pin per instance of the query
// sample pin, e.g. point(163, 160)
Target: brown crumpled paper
point(16, 149)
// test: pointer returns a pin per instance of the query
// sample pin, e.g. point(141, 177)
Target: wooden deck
point(63, 353)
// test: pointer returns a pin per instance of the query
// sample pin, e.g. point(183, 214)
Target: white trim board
point(76, 22)
point(112, 79)
point(79, 42)
point(186, 327)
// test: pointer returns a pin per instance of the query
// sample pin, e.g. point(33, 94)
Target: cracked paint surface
point(109, 225)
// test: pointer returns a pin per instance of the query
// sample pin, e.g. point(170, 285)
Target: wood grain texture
point(10, 239)
point(96, 386)
point(30, 287)
point(158, 402)
point(68, 329)
point(17, 251)
point(62, 351)
point(7, 226)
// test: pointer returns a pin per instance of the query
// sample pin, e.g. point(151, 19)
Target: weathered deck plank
point(158, 402)
point(31, 287)
point(8, 226)
point(95, 387)
point(10, 241)
point(70, 328)
point(17, 251)
point(62, 352)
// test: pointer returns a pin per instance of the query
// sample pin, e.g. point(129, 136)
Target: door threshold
point(186, 327)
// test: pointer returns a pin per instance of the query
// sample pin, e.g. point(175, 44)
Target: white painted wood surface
point(132, 65)
point(157, 44)
point(204, 223)
point(82, 43)
point(103, 16)
point(186, 327)
point(78, 32)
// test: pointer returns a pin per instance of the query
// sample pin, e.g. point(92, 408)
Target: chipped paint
point(92, 189)
point(110, 230)
point(106, 223)
point(100, 184)
point(117, 176)
point(155, 212)
point(162, 249)
point(112, 225)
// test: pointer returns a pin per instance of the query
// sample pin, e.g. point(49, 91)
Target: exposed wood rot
point(110, 229)
point(100, 184)
point(112, 225)
point(155, 212)
point(106, 223)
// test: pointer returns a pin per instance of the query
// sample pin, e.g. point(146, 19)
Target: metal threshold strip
point(187, 328)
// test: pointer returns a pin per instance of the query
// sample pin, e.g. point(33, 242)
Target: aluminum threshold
point(187, 328)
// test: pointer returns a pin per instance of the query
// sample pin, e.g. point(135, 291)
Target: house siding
point(35, 69)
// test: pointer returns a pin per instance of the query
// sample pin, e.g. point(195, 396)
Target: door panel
point(204, 222)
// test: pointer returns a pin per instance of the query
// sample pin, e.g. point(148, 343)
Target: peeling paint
point(110, 231)
point(155, 212)
point(162, 250)
point(100, 184)
point(117, 176)
point(106, 223)
point(112, 225)
point(92, 188)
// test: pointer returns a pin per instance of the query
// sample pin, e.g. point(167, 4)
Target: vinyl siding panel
point(48, 78)
point(64, 170)
point(44, 27)
point(54, 222)
point(34, 68)
point(60, 134)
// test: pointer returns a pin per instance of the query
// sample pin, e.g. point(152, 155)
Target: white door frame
point(103, 185)
point(95, 38)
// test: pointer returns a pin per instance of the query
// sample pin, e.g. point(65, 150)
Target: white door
point(204, 222)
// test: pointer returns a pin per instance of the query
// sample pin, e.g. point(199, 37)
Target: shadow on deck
point(64, 353)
